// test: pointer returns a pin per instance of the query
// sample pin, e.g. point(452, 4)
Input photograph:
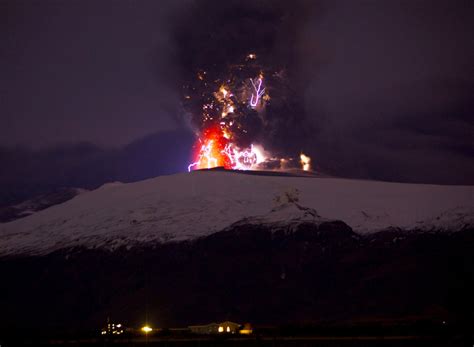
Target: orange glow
point(210, 150)
point(146, 329)
point(305, 162)
point(215, 149)
point(223, 91)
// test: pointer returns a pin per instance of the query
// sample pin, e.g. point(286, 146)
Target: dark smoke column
point(236, 66)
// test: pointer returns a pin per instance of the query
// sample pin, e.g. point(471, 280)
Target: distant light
point(245, 331)
point(223, 91)
point(221, 329)
point(305, 162)
point(228, 329)
point(146, 329)
point(119, 325)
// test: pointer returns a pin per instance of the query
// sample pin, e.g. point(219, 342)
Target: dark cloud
point(213, 40)
point(379, 89)
point(392, 97)
point(26, 173)
point(85, 71)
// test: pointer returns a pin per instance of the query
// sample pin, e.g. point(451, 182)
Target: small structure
point(112, 329)
point(215, 328)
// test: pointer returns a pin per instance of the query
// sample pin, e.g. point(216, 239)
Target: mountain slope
point(187, 206)
point(37, 203)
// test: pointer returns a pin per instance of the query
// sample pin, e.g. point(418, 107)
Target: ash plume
point(229, 45)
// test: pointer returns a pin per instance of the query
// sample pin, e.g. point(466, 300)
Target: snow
point(286, 215)
point(187, 206)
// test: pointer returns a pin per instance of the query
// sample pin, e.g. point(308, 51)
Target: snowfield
point(187, 206)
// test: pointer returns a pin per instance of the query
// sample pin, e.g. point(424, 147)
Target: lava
point(215, 150)
point(211, 151)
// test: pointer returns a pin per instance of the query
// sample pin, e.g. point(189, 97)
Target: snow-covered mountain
point(188, 206)
point(37, 203)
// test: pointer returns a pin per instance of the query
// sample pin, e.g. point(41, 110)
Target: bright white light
point(205, 153)
point(244, 159)
point(259, 153)
point(146, 329)
point(305, 162)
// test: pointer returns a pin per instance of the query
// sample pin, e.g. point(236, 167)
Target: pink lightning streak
point(205, 153)
point(258, 93)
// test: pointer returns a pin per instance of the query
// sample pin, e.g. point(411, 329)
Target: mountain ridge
point(188, 206)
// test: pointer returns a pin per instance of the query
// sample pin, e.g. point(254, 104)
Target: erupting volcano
point(217, 151)
point(231, 116)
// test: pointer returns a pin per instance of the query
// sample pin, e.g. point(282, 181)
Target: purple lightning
point(258, 93)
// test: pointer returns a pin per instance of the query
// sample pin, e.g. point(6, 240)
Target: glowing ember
point(223, 91)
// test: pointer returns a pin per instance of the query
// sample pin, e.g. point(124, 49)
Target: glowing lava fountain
point(215, 150)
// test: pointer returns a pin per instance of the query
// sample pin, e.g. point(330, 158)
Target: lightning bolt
point(206, 154)
point(258, 92)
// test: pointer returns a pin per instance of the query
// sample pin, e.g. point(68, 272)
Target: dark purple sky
point(388, 85)
point(84, 71)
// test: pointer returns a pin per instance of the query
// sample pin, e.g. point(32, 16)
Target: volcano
point(188, 206)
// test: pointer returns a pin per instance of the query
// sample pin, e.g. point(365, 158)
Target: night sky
point(90, 91)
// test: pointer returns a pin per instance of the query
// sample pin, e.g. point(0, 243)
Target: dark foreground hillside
point(315, 275)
